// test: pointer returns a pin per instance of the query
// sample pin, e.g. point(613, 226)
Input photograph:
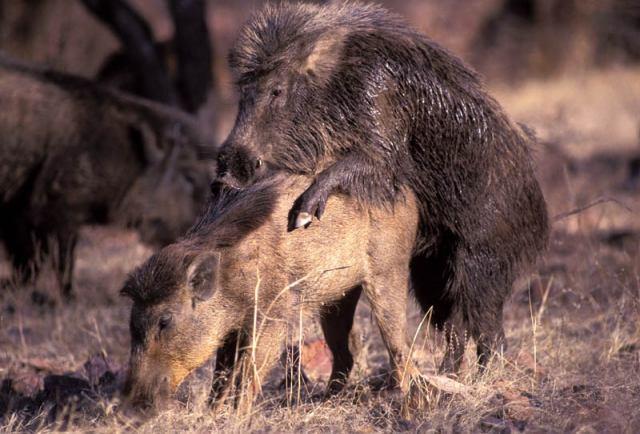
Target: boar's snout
point(238, 167)
point(147, 394)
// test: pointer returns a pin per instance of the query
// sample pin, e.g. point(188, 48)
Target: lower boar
point(238, 277)
point(73, 153)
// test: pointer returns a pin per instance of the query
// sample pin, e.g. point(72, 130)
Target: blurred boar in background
point(73, 153)
point(351, 95)
point(238, 279)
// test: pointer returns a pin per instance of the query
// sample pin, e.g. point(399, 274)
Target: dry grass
point(573, 327)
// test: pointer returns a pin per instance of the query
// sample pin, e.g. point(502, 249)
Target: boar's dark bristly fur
point(352, 95)
point(154, 281)
point(236, 213)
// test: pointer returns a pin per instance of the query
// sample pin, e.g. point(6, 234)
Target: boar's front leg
point(243, 363)
point(223, 370)
point(260, 356)
point(356, 175)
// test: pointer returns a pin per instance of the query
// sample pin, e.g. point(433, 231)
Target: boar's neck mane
point(158, 278)
point(234, 214)
point(227, 219)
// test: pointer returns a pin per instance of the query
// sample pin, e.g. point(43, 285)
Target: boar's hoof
point(303, 220)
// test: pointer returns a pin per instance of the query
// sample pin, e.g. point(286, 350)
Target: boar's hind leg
point(337, 325)
point(486, 286)
point(485, 325)
point(431, 277)
point(456, 339)
point(260, 356)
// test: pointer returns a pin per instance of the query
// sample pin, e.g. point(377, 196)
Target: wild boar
point(238, 279)
point(72, 153)
point(348, 93)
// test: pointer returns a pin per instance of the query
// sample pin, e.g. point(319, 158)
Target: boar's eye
point(259, 163)
point(276, 92)
point(164, 321)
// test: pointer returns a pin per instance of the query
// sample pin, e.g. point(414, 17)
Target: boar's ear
point(202, 276)
point(144, 143)
point(324, 55)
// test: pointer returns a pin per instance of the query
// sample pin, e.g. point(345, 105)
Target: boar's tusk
point(303, 219)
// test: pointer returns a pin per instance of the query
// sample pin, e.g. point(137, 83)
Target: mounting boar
point(73, 153)
point(349, 94)
point(238, 278)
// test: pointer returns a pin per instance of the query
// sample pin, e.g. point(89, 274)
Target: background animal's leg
point(356, 175)
point(66, 244)
point(21, 244)
point(193, 49)
point(136, 38)
point(341, 337)
point(223, 370)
